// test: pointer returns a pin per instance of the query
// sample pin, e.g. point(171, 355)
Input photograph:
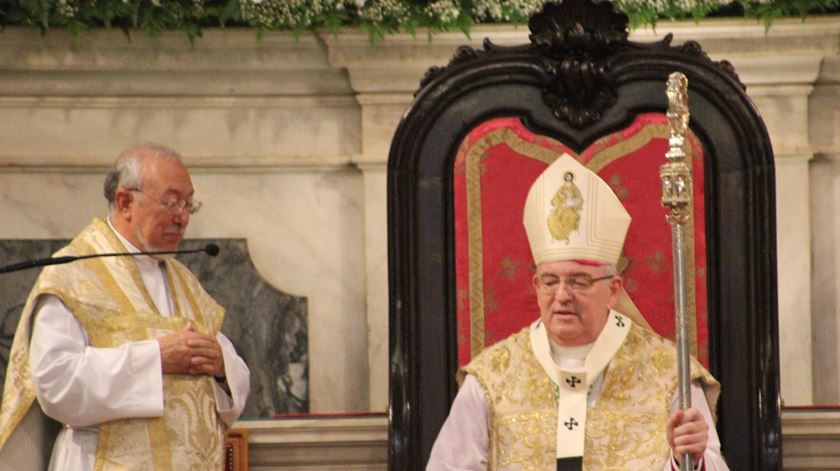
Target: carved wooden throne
point(479, 132)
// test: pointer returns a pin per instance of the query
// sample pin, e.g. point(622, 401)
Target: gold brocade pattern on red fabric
point(494, 168)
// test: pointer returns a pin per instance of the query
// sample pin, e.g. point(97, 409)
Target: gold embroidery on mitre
point(567, 204)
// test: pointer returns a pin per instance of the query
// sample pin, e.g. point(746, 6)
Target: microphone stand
point(210, 249)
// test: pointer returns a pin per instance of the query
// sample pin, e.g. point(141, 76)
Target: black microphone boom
point(210, 249)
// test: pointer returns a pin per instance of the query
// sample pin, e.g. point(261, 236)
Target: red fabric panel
point(504, 158)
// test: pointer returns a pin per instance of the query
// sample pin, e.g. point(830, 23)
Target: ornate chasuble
point(108, 297)
point(529, 411)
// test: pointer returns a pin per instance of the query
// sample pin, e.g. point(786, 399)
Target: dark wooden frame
point(579, 79)
point(236, 449)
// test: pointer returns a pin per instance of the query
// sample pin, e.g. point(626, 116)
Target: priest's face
point(575, 299)
point(159, 213)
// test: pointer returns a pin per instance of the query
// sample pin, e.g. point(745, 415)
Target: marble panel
point(15, 287)
point(825, 289)
point(794, 279)
point(785, 113)
point(824, 113)
point(825, 242)
point(49, 205)
point(267, 327)
point(376, 267)
point(379, 123)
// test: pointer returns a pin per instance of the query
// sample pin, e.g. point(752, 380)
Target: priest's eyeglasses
point(174, 205)
point(579, 283)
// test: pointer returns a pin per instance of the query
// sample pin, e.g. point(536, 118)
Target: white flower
point(376, 11)
point(446, 11)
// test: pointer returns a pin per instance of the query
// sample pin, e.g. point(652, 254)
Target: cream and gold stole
point(110, 300)
point(623, 430)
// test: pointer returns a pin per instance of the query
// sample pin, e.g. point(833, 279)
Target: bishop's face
point(575, 299)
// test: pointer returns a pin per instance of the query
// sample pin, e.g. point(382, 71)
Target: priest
point(126, 353)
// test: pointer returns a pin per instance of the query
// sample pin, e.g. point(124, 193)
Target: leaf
point(465, 22)
point(190, 16)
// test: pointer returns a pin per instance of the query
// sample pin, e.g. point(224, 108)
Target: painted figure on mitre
point(565, 215)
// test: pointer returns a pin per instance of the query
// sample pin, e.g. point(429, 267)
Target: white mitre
point(571, 214)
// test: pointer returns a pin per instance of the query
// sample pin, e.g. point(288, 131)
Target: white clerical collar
point(572, 385)
point(570, 358)
point(152, 272)
point(144, 262)
point(578, 352)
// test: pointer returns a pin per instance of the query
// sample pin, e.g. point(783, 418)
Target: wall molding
point(326, 443)
point(811, 439)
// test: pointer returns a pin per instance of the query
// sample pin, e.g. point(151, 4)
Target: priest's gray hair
point(127, 171)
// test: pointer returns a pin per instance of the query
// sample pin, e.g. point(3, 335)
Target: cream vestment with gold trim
point(624, 429)
point(110, 301)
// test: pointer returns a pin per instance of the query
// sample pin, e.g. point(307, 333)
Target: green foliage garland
point(377, 17)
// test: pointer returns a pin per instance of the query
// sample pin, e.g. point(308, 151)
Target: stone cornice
point(810, 439)
point(318, 443)
point(811, 423)
point(25, 48)
point(198, 164)
point(283, 64)
point(322, 430)
point(102, 73)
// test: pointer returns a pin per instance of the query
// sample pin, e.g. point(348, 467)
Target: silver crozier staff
point(676, 198)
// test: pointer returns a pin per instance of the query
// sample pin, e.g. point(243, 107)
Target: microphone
point(210, 249)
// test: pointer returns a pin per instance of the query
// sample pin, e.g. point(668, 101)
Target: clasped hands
point(188, 351)
point(687, 432)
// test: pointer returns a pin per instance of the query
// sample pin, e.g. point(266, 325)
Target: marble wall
point(825, 241)
point(287, 140)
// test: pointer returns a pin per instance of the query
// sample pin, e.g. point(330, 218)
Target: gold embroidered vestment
point(109, 299)
point(625, 428)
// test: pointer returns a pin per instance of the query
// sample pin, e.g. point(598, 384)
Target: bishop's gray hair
point(606, 270)
point(127, 171)
point(609, 270)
